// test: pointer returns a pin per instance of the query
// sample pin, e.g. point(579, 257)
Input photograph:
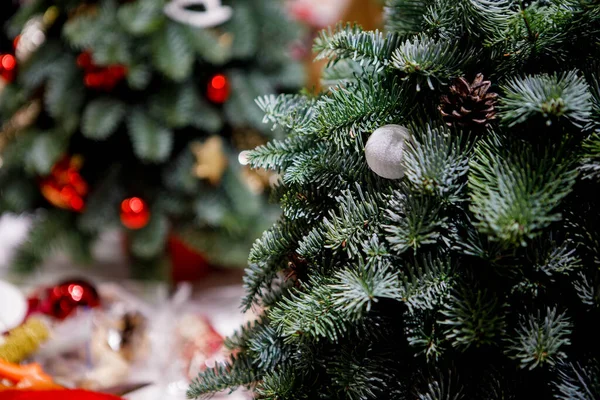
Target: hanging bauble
point(135, 213)
point(64, 187)
point(385, 151)
point(213, 13)
point(8, 67)
point(61, 300)
point(218, 89)
point(13, 307)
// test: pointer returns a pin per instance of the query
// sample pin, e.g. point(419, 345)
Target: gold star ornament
point(211, 161)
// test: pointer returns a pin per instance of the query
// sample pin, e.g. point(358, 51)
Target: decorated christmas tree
point(132, 115)
point(440, 229)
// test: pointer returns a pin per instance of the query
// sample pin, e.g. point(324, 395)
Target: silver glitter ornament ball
point(385, 151)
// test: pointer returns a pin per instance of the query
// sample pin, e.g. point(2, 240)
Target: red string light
point(8, 67)
point(134, 213)
point(218, 89)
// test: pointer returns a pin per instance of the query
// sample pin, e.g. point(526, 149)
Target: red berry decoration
point(61, 300)
point(134, 213)
point(64, 187)
point(8, 67)
point(218, 89)
point(100, 78)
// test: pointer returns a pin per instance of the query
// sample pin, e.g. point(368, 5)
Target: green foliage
point(472, 318)
point(414, 221)
point(475, 275)
point(540, 339)
point(134, 132)
point(515, 188)
point(239, 371)
point(151, 142)
point(101, 118)
point(426, 58)
point(352, 42)
point(551, 97)
point(578, 382)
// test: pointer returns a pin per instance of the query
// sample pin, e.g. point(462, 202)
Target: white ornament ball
point(13, 307)
point(385, 151)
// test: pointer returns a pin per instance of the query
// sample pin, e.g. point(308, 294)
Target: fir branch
point(578, 382)
point(238, 371)
point(430, 60)
point(101, 118)
point(268, 349)
point(437, 162)
point(472, 318)
point(588, 290)
point(551, 97)
point(540, 339)
point(172, 52)
point(357, 215)
point(359, 375)
point(423, 335)
point(347, 113)
point(406, 16)
point(277, 154)
point(288, 111)
point(444, 386)
point(282, 384)
point(310, 314)
point(351, 42)
point(266, 259)
point(590, 162)
point(359, 288)
point(49, 234)
point(554, 258)
point(516, 187)
point(427, 283)
point(151, 141)
point(413, 221)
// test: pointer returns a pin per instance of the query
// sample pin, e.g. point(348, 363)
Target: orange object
point(30, 377)
point(64, 187)
point(55, 395)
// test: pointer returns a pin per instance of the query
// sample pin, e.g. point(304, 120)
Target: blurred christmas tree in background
point(440, 235)
point(132, 115)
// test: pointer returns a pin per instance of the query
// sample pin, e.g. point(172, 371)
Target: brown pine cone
point(469, 105)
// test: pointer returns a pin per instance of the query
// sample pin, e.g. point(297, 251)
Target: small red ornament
point(134, 213)
point(218, 89)
point(97, 77)
point(8, 67)
point(187, 264)
point(64, 187)
point(61, 300)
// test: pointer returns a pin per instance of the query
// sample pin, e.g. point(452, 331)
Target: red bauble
point(8, 67)
point(84, 60)
point(64, 187)
point(61, 300)
point(135, 213)
point(218, 89)
point(187, 264)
